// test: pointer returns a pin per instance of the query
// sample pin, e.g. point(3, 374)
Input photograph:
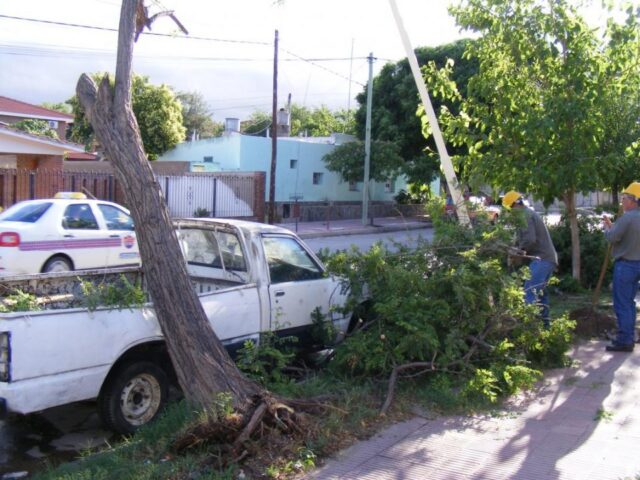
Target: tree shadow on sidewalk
point(560, 417)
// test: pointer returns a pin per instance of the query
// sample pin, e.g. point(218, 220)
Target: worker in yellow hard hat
point(624, 237)
point(535, 240)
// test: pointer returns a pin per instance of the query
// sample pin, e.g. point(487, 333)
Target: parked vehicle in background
point(68, 232)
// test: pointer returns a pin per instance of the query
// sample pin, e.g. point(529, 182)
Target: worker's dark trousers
point(535, 289)
point(626, 275)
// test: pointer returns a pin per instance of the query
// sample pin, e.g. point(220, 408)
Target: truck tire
point(133, 395)
point(57, 264)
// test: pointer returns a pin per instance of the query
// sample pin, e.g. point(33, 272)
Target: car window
point(79, 217)
point(288, 261)
point(211, 248)
point(29, 213)
point(115, 218)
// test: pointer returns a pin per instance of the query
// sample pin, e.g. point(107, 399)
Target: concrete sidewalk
point(355, 226)
point(580, 423)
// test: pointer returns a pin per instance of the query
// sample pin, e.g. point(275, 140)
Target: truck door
point(297, 284)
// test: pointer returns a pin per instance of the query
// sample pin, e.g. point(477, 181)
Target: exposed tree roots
point(239, 434)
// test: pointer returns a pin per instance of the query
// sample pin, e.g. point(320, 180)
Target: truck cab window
point(211, 248)
point(288, 261)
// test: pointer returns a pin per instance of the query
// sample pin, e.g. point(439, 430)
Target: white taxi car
point(68, 232)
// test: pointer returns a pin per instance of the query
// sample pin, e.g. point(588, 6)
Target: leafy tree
point(395, 102)
point(196, 116)
point(348, 160)
point(316, 122)
point(320, 121)
point(158, 112)
point(532, 117)
point(36, 127)
point(257, 124)
point(58, 107)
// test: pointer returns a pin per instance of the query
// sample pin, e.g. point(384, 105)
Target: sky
point(228, 54)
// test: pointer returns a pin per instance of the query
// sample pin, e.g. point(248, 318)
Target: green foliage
point(196, 116)
point(19, 301)
point(265, 362)
point(395, 103)
point(323, 333)
point(201, 212)
point(119, 294)
point(58, 107)
point(452, 304)
point(415, 194)
point(36, 127)
point(593, 247)
point(158, 112)
point(348, 160)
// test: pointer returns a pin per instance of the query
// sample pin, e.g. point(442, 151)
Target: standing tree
point(347, 160)
point(396, 101)
point(202, 365)
point(157, 111)
point(36, 127)
point(319, 121)
point(533, 118)
point(196, 116)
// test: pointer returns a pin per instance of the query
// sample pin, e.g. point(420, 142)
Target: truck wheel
point(133, 396)
point(57, 264)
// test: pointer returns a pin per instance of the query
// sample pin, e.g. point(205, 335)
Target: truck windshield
point(29, 213)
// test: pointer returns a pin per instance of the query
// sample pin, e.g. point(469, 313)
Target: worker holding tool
point(624, 237)
point(535, 241)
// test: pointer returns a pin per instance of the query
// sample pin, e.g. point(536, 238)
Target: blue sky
point(42, 61)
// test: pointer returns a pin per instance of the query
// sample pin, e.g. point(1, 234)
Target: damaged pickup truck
point(251, 278)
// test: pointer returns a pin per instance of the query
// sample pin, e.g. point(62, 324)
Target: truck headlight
point(5, 356)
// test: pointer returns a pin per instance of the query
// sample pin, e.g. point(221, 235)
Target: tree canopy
point(395, 102)
point(196, 116)
point(534, 115)
point(158, 112)
point(348, 160)
point(36, 127)
point(305, 121)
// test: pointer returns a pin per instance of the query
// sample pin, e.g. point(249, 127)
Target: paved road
point(366, 241)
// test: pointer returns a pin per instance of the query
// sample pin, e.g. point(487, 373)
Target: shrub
point(452, 304)
point(593, 247)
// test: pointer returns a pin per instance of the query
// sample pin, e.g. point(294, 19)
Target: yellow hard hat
point(510, 198)
point(633, 189)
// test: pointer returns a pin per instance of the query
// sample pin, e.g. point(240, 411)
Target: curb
point(362, 230)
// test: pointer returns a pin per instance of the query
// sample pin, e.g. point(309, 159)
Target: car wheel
point(133, 396)
point(57, 264)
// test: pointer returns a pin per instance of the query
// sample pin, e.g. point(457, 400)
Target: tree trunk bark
point(572, 215)
point(201, 363)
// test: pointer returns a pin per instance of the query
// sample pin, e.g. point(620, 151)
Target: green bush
point(452, 304)
point(593, 246)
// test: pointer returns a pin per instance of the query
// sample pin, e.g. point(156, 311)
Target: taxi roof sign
point(71, 195)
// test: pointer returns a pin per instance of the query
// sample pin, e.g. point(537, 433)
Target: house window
point(317, 178)
point(390, 186)
point(353, 186)
point(293, 163)
point(208, 159)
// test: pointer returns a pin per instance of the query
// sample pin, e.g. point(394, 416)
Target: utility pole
point(274, 135)
point(445, 160)
point(367, 145)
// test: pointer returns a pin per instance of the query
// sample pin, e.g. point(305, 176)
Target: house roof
point(15, 108)
point(14, 141)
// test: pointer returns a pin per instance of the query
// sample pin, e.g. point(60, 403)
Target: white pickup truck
point(251, 278)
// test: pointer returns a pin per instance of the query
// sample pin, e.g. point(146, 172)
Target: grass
point(354, 415)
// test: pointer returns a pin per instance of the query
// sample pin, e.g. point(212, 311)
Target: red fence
point(222, 194)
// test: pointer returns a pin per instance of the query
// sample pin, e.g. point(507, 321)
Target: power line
point(192, 37)
point(106, 29)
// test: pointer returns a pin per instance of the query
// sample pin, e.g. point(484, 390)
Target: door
point(119, 225)
point(83, 240)
point(298, 284)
